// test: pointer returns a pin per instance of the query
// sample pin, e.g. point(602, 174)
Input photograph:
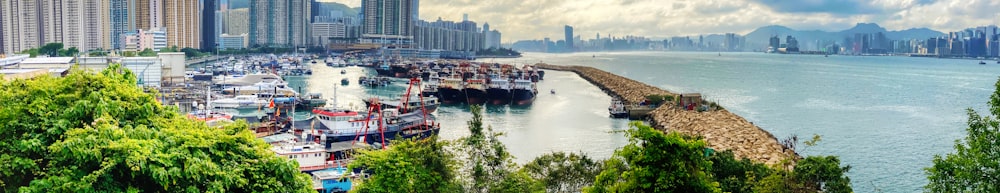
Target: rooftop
point(48, 60)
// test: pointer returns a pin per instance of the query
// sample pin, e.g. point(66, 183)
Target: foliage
point(98, 132)
point(51, 49)
point(656, 162)
point(812, 174)
point(193, 53)
point(147, 53)
point(408, 166)
point(659, 99)
point(562, 172)
point(975, 164)
point(498, 52)
point(487, 166)
point(169, 49)
point(736, 175)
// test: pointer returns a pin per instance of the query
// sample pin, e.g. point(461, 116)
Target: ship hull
point(451, 96)
point(498, 96)
point(522, 97)
point(475, 96)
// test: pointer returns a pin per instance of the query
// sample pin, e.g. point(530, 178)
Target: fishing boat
point(499, 90)
point(430, 87)
point(332, 180)
point(373, 126)
point(617, 109)
point(450, 91)
point(475, 90)
point(311, 156)
point(982, 63)
point(345, 81)
point(524, 92)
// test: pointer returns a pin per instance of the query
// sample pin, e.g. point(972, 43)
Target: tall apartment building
point(277, 23)
point(237, 21)
point(122, 20)
point(148, 14)
point(387, 19)
point(183, 23)
point(21, 25)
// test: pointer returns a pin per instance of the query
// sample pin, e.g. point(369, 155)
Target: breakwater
point(721, 129)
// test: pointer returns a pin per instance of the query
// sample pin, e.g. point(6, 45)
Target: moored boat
point(524, 92)
point(499, 90)
point(617, 109)
point(475, 90)
point(450, 91)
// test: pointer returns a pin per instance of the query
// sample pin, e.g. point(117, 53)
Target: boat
point(430, 86)
point(346, 125)
point(475, 90)
point(982, 63)
point(345, 81)
point(450, 91)
point(332, 180)
point(524, 92)
point(499, 90)
point(413, 104)
point(310, 155)
point(343, 71)
point(273, 87)
point(374, 81)
point(209, 116)
point(240, 102)
point(617, 109)
point(553, 91)
point(312, 100)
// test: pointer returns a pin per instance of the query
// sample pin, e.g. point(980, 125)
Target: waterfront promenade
point(721, 129)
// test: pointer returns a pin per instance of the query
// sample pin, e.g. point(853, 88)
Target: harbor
point(721, 129)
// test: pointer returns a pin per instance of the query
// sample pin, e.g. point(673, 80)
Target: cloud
point(536, 19)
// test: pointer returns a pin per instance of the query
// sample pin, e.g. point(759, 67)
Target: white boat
point(275, 87)
point(240, 102)
point(617, 109)
point(311, 156)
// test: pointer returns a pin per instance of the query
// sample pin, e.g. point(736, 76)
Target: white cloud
point(536, 19)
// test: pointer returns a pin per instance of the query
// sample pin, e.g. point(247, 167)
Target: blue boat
point(333, 180)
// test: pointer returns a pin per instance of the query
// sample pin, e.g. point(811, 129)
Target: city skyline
point(525, 20)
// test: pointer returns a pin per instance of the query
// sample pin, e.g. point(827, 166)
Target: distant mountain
point(327, 7)
point(807, 39)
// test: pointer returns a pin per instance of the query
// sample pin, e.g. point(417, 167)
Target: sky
point(537, 19)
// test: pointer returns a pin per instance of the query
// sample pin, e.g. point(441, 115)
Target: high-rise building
point(391, 19)
point(569, 38)
point(277, 23)
point(208, 24)
point(21, 25)
point(183, 23)
point(122, 20)
point(237, 21)
point(149, 14)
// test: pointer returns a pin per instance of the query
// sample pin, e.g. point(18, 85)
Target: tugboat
point(617, 109)
point(524, 92)
point(450, 91)
point(499, 90)
point(475, 90)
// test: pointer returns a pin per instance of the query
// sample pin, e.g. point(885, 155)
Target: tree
point(562, 172)
point(147, 53)
point(99, 132)
point(51, 49)
point(975, 164)
point(72, 51)
point(656, 162)
point(487, 166)
point(408, 166)
point(169, 49)
point(736, 175)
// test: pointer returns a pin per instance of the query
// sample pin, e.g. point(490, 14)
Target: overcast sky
point(536, 19)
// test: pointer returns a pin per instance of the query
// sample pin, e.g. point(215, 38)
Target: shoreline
point(721, 129)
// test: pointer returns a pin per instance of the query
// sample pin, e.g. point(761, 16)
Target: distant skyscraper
point(183, 23)
point(569, 38)
point(208, 24)
point(20, 24)
point(122, 20)
point(279, 23)
point(237, 21)
point(148, 14)
point(387, 17)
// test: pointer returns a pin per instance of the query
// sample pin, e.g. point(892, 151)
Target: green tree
point(562, 172)
point(31, 52)
point(408, 166)
point(656, 162)
point(736, 175)
point(71, 51)
point(147, 53)
point(51, 49)
point(812, 174)
point(99, 132)
point(169, 49)
point(487, 166)
point(975, 164)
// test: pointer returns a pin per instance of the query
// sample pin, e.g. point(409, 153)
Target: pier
point(721, 129)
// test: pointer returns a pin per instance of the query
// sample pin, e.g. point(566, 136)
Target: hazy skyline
point(519, 19)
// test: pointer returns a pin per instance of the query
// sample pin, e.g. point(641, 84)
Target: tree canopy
point(99, 132)
point(408, 166)
point(657, 162)
point(975, 164)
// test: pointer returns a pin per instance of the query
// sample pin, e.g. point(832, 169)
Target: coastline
point(721, 129)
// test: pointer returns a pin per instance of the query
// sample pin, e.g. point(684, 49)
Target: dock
point(721, 129)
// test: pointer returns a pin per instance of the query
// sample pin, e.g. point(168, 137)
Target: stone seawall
point(721, 129)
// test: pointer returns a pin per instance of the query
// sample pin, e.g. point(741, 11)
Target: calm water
point(573, 120)
point(884, 116)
